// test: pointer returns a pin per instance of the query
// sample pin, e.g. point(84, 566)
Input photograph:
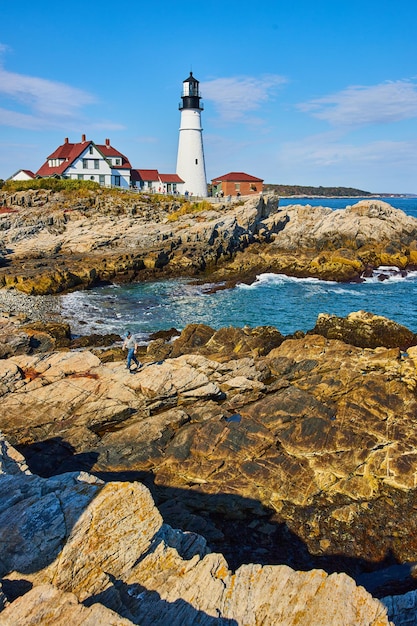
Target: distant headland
point(326, 192)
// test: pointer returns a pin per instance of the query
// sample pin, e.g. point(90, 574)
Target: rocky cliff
point(53, 243)
point(281, 452)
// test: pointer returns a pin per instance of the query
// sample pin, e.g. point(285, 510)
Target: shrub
point(54, 184)
point(188, 208)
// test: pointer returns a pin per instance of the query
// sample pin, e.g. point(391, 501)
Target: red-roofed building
point(237, 183)
point(172, 183)
point(146, 180)
point(88, 161)
point(152, 180)
point(103, 164)
point(22, 175)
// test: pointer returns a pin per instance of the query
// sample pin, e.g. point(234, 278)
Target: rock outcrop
point(56, 244)
point(303, 448)
point(332, 245)
point(75, 550)
point(364, 330)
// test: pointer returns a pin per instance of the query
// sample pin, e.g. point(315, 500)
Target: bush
point(54, 184)
point(190, 207)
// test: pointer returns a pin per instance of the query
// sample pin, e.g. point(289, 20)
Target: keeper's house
point(88, 161)
point(237, 183)
point(103, 164)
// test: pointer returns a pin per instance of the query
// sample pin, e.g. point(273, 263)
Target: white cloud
point(44, 102)
point(328, 151)
point(235, 97)
point(359, 105)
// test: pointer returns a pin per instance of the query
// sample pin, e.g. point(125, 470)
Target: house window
point(117, 181)
point(80, 176)
point(118, 161)
point(101, 179)
point(90, 149)
point(96, 164)
point(237, 186)
point(85, 164)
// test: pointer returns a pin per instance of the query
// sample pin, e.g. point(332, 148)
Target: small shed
point(237, 184)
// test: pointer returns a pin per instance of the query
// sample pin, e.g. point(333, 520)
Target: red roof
point(70, 152)
point(170, 178)
point(145, 175)
point(108, 151)
point(237, 177)
point(29, 173)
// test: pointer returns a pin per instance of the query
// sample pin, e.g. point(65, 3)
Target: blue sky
point(294, 91)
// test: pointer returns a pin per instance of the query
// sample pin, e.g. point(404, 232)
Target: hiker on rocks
point(131, 346)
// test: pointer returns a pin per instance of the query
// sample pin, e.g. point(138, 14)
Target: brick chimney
point(82, 138)
point(108, 143)
point(66, 140)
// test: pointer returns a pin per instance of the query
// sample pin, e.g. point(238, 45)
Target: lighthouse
point(190, 159)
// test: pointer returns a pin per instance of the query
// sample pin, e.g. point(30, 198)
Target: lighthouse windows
point(196, 161)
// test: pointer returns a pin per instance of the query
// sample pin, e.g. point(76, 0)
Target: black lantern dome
point(190, 94)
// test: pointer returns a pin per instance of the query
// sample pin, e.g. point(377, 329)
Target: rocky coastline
point(52, 244)
point(281, 452)
point(239, 476)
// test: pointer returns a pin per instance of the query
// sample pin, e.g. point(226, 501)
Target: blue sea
point(287, 303)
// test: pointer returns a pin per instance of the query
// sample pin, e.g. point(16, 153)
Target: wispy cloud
point(236, 97)
point(329, 150)
point(359, 105)
point(44, 102)
point(34, 103)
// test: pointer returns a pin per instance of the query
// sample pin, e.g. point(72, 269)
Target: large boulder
point(364, 330)
point(226, 343)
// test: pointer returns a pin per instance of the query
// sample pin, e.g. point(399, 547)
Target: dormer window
point(55, 162)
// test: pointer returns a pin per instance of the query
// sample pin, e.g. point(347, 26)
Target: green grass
point(54, 184)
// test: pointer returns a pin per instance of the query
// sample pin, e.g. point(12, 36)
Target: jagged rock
point(331, 245)
point(12, 342)
point(58, 246)
point(316, 430)
point(226, 342)
point(18, 338)
point(47, 605)
point(192, 339)
point(364, 330)
point(46, 336)
point(110, 550)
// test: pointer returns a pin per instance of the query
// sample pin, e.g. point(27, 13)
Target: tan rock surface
point(315, 435)
point(47, 605)
point(118, 558)
point(55, 243)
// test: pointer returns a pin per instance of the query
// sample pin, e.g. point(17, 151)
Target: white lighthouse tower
point(190, 159)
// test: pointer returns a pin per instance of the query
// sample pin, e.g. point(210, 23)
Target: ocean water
point(287, 303)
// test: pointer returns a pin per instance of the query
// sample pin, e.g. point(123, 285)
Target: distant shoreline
point(366, 197)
